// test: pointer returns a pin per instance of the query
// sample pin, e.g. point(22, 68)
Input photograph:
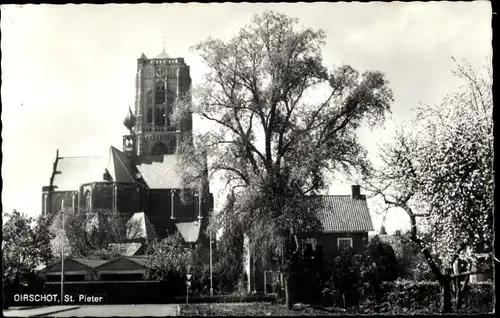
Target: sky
point(68, 71)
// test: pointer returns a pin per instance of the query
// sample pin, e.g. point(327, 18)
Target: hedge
point(411, 296)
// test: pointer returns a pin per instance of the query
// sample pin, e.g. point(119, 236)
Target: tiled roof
point(342, 213)
point(162, 175)
point(138, 226)
point(190, 231)
point(74, 171)
point(126, 249)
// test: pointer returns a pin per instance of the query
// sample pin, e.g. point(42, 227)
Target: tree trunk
point(446, 305)
point(461, 293)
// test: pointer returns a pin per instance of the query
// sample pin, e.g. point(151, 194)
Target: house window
point(344, 243)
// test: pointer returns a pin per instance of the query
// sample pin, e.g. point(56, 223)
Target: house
point(344, 224)
point(75, 269)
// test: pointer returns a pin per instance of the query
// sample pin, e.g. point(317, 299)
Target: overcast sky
point(68, 71)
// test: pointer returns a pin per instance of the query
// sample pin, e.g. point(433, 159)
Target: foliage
point(410, 296)
point(380, 263)
point(228, 264)
point(25, 246)
point(274, 136)
point(88, 234)
point(345, 276)
point(411, 262)
point(442, 171)
point(166, 257)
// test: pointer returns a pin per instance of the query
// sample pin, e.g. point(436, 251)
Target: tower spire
point(164, 42)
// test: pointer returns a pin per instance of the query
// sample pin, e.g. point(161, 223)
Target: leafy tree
point(25, 246)
point(280, 120)
point(382, 256)
point(346, 275)
point(167, 256)
point(88, 234)
point(442, 172)
point(228, 264)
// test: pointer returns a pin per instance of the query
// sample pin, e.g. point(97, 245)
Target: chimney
point(356, 192)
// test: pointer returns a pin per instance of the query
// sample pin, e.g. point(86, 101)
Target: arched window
point(150, 115)
point(74, 201)
point(88, 201)
point(160, 116)
point(160, 93)
point(104, 199)
point(149, 98)
point(159, 149)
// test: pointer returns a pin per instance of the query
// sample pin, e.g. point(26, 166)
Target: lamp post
point(62, 256)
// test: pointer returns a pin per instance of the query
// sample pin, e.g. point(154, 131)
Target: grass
point(247, 309)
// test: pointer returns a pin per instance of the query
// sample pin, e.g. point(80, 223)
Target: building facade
point(145, 176)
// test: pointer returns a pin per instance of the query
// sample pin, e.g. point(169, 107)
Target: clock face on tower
point(160, 72)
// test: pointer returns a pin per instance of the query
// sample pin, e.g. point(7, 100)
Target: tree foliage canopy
point(279, 120)
point(88, 234)
point(25, 246)
point(442, 171)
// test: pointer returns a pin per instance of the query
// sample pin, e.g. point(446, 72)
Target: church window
point(159, 149)
point(149, 72)
point(74, 202)
point(160, 116)
point(160, 93)
point(87, 199)
point(150, 115)
point(104, 199)
point(149, 98)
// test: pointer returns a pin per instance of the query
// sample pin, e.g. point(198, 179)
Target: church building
point(143, 179)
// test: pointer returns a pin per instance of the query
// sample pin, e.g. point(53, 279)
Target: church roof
point(143, 56)
point(138, 226)
point(71, 172)
point(162, 175)
point(163, 55)
point(121, 166)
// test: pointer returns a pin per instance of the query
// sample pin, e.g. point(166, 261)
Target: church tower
point(161, 82)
